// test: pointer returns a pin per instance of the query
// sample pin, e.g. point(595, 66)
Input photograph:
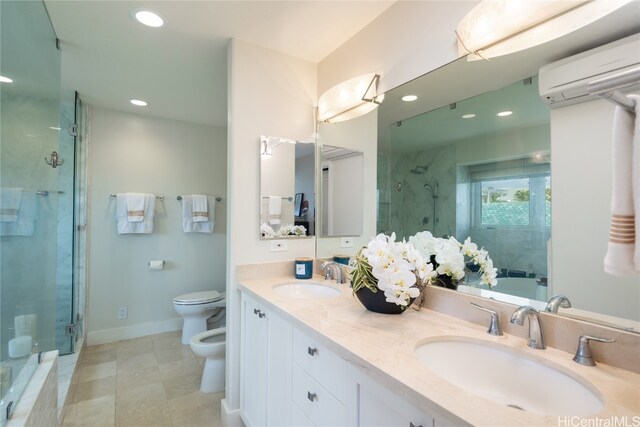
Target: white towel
point(623, 252)
point(200, 208)
point(135, 206)
point(274, 209)
point(25, 222)
point(188, 225)
point(10, 199)
point(124, 226)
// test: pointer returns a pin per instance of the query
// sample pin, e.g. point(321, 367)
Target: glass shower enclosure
point(36, 198)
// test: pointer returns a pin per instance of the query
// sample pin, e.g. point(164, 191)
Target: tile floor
point(148, 381)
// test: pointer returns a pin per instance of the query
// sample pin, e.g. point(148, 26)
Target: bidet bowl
point(509, 377)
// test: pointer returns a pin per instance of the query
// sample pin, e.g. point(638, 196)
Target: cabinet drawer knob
point(312, 351)
point(256, 311)
point(311, 396)
point(261, 315)
point(413, 425)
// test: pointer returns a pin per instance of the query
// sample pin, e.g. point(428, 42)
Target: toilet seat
point(198, 298)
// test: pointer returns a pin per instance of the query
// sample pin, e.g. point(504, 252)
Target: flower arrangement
point(449, 258)
point(285, 230)
point(396, 268)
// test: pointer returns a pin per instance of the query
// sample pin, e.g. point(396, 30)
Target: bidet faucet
point(557, 301)
point(536, 339)
point(334, 270)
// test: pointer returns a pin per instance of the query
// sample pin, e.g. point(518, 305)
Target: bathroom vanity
point(318, 358)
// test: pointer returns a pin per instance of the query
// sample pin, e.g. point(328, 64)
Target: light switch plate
point(278, 246)
point(346, 242)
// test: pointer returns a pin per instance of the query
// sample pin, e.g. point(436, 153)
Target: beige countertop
point(383, 346)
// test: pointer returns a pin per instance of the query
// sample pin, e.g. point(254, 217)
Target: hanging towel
point(275, 210)
point(10, 199)
point(25, 222)
point(200, 208)
point(623, 251)
point(135, 206)
point(188, 225)
point(124, 226)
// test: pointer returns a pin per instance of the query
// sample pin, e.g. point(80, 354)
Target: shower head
point(419, 170)
point(433, 190)
point(428, 188)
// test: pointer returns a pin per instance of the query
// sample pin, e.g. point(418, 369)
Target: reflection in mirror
point(479, 168)
point(341, 191)
point(287, 188)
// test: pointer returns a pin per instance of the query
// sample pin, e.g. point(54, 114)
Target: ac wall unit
point(566, 82)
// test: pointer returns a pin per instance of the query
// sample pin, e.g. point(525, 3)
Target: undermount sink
point(507, 377)
point(306, 290)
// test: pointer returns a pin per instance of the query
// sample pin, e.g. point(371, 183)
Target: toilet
point(196, 308)
point(211, 344)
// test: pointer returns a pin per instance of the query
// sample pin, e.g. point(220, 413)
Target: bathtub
point(517, 287)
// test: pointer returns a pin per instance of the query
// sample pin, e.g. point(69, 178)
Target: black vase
point(376, 302)
point(445, 282)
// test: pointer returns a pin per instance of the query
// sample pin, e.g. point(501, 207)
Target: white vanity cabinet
point(379, 407)
point(265, 374)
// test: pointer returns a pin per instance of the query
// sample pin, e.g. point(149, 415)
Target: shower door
point(36, 197)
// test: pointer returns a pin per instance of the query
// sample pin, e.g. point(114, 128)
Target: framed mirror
point(532, 187)
point(341, 189)
point(287, 188)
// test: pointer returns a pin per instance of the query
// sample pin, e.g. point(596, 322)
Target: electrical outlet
point(122, 312)
point(346, 242)
point(278, 246)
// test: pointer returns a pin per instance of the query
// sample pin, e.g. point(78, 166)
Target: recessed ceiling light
point(148, 18)
point(468, 116)
point(138, 102)
point(4, 79)
point(504, 113)
point(409, 98)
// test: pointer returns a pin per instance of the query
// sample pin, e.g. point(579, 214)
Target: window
point(505, 202)
point(513, 194)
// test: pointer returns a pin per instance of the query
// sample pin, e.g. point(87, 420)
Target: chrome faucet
point(334, 270)
point(583, 354)
point(557, 301)
point(494, 323)
point(536, 339)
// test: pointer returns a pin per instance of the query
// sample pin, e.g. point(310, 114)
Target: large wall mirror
point(287, 188)
point(479, 155)
point(341, 187)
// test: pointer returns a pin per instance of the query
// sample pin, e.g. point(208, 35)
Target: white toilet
point(211, 344)
point(196, 308)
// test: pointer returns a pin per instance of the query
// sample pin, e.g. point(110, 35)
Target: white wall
point(137, 153)
point(409, 39)
point(357, 134)
point(581, 173)
point(269, 94)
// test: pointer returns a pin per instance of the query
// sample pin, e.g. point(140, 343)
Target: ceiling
point(181, 68)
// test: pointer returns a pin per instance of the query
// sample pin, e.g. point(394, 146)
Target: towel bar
point(218, 199)
point(283, 198)
point(113, 196)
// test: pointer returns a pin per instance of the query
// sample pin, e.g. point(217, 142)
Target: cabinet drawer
point(298, 418)
point(315, 401)
point(321, 364)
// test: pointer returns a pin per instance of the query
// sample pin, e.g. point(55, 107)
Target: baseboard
point(230, 418)
point(133, 331)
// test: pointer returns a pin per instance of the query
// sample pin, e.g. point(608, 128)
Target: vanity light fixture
point(504, 113)
point(148, 18)
point(349, 99)
point(139, 102)
point(409, 98)
point(468, 116)
point(499, 27)
point(4, 79)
